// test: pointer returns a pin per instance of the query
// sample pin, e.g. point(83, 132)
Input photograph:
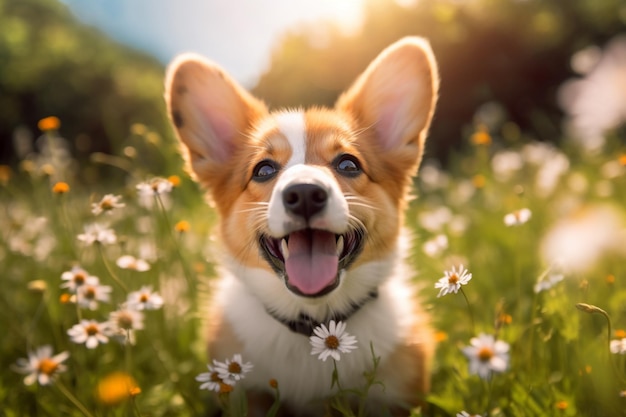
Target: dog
point(311, 206)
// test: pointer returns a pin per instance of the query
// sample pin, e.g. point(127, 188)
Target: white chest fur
point(278, 353)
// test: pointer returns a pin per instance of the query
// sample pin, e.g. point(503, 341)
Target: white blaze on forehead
point(293, 126)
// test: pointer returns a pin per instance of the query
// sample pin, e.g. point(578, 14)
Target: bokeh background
point(98, 65)
point(530, 126)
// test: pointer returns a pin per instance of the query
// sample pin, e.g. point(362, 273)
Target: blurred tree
point(512, 52)
point(52, 65)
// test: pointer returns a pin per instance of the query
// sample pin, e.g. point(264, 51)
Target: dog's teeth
point(339, 245)
point(284, 249)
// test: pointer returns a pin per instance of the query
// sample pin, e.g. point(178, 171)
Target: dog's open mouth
point(311, 260)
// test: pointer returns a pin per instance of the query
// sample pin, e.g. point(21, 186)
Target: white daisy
point(487, 355)
point(232, 370)
point(123, 322)
point(97, 233)
point(144, 299)
point(618, 346)
point(91, 293)
point(77, 277)
point(548, 282)
point(517, 217)
point(331, 341)
point(41, 366)
point(130, 262)
point(452, 280)
point(89, 332)
point(154, 187)
point(210, 380)
point(108, 203)
point(435, 246)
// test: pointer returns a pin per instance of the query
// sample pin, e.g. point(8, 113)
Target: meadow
point(123, 261)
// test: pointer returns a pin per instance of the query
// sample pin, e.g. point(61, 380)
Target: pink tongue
point(313, 261)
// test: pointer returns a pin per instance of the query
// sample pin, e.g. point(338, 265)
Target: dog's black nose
point(305, 200)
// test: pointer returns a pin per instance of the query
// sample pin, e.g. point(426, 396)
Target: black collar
point(305, 324)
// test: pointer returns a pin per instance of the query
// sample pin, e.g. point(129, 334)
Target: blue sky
point(238, 34)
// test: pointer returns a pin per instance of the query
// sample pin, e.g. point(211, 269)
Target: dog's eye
point(347, 165)
point(264, 171)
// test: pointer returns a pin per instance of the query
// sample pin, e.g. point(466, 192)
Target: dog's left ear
point(395, 98)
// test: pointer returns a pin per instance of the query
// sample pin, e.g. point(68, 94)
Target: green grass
point(560, 363)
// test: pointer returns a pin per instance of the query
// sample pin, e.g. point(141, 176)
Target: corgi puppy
point(311, 209)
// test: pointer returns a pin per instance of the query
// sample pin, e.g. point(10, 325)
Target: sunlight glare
point(348, 14)
point(406, 3)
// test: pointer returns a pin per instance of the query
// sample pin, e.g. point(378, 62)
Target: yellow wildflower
point(504, 318)
point(174, 179)
point(182, 226)
point(115, 388)
point(49, 123)
point(5, 174)
point(61, 188)
point(479, 181)
point(481, 136)
point(561, 405)
point(441, 336)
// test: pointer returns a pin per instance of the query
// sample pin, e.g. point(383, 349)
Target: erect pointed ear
point(395, 97)
point(211, 114)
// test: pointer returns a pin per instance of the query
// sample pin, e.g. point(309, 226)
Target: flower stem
point(276, 405)
point(127, 352)
point(170, 229)
point(340, 402)
point(73, 399)
point(110, 271)
point(370, 378)
point(469, 309)
point(591, 309)
point(135, 407)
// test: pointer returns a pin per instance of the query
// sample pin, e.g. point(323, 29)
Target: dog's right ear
point(211, 114)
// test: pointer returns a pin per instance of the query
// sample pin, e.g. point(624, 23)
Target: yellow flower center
point(225, 388)
point(92, 330)
point(47, 366)
point(453, 279)
point(90, 293)
point(485, 354)
point(332, 342)
point(79, 278)
point(106, 204)
point(234, 368)
point(215, 377)
point(125, 321)
point(144, 298)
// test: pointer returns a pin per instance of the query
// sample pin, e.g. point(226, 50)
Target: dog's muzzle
point(310, 260)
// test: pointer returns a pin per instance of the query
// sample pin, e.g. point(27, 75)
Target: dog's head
point(308, 195)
